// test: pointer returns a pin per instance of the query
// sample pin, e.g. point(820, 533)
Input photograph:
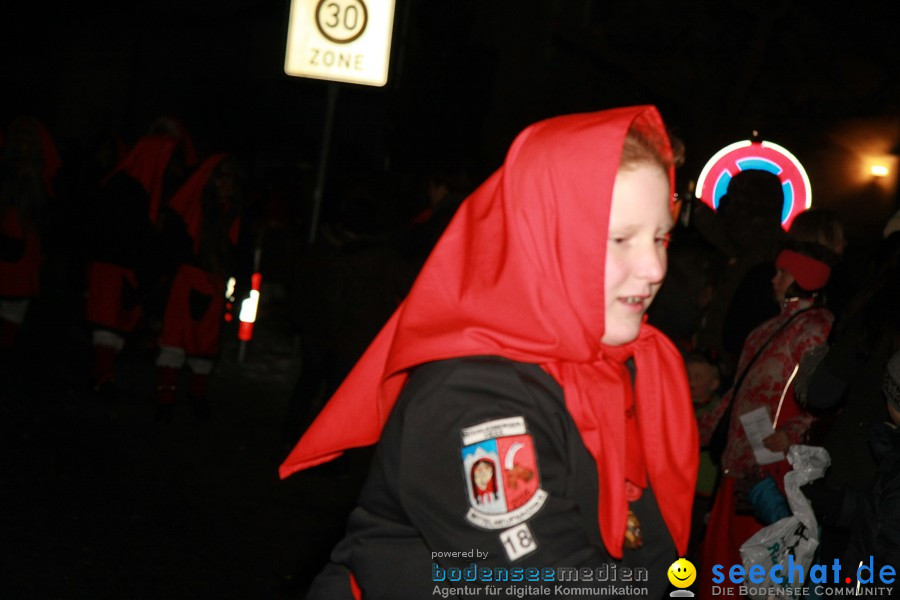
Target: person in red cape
point(201, 233)
point(123, 240)
point(524, 340)
point(173, 127)
point(27, 169)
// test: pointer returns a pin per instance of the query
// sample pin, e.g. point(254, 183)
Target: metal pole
point(242, 351)
point(331, 103)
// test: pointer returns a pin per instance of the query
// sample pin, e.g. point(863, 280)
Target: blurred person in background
point(824, 227)
point(841, 383)
point(446, 185)
point(200, 235)
point(747, 229)
point(29, 164)
point(763, 381)
point(705, 379)
point(875, 535)
point(346, 286)
point(123, 271)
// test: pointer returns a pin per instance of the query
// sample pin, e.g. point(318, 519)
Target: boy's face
point(704, 380)
point(639, 224)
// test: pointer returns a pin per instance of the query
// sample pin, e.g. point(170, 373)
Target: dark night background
point(106, 504)
point(466, 76)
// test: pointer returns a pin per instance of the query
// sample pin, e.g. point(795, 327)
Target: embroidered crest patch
point(500, 468)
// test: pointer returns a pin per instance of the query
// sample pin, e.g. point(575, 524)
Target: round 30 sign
point(340, 40)
point(341, 21)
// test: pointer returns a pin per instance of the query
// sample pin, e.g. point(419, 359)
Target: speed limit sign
point(340, 40)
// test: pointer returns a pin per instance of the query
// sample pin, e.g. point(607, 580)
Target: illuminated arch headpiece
point(762, 156)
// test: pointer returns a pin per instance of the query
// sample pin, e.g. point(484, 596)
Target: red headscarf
point(519, 273)
point(188, 201)
point(809, 273)
point(147, 163)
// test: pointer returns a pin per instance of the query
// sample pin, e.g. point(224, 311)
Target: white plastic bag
point(796, 535)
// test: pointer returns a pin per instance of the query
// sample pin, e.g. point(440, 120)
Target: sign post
point(338, 40)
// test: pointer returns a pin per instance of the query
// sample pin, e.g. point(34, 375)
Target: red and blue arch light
point(763, 156)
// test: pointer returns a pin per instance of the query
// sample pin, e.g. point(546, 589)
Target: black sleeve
point(413, 511)
point(433, 481)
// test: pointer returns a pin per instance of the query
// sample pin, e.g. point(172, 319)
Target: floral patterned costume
point(762, 386)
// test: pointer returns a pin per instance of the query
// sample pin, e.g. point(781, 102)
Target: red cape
point(147, 163)
point(188, 201)
point(519, 273)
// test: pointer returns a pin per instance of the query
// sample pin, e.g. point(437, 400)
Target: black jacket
point(875, 524)
point(419, 492)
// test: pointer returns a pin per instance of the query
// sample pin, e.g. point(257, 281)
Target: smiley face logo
point(682, 573)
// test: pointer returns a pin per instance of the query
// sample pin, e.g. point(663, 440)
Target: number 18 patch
point(501, 473)
point(518, 541)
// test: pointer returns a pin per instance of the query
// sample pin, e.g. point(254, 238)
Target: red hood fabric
point(147, 163)
point(519, 273)
point(809, 273)
point(188, 201)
